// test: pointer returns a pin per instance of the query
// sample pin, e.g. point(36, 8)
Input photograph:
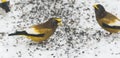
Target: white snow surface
point(79, 37)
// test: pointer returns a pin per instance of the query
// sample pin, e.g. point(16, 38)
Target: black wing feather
point(25, 33)
point(107, 26)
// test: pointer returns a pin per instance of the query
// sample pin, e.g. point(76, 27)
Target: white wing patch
point(31, 31)
point(116, 23)
point(2, 12)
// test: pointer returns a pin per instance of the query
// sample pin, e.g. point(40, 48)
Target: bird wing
point(111, 20)
point(37, 31)
point(2, 11)
point(108, 26)
point(115, 23)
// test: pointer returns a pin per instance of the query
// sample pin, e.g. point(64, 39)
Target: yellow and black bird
point(106, 20)
point(40, 32)
point(4, 6)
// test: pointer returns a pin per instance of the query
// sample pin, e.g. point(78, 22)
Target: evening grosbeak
point(106, 20)
point(40, 32)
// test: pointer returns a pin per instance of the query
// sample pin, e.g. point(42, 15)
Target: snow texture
point(79, 37)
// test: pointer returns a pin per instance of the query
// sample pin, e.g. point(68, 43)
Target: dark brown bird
point(106, 20)
point(40, 32)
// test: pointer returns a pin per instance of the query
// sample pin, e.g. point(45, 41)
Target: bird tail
point(18, 33)
point(26, 34)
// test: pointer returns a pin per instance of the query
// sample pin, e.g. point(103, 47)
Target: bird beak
point(59, 21)
point(95, 6)
point(60, 24)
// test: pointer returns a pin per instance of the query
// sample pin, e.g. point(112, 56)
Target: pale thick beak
point(59, 22)
point(95, 6)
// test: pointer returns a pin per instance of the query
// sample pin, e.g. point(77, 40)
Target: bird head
point(5, 5)
point(99, 10)
point(56, 21)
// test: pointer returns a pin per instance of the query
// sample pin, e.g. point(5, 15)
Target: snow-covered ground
point(80, 37)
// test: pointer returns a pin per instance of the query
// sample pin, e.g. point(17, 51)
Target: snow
point(79, 37)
